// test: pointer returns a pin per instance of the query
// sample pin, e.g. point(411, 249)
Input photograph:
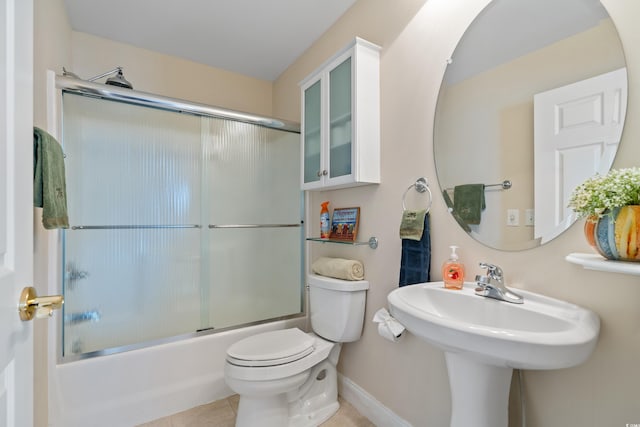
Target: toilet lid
point(271, 348)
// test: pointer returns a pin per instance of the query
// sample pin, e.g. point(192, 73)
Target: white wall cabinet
point(341, 120)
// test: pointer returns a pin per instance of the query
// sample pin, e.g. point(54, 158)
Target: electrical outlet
point(513, 217)
point(529, 217)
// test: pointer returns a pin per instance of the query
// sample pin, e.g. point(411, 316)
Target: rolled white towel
point(339, 268)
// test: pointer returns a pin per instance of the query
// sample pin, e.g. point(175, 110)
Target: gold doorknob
point(31, 305)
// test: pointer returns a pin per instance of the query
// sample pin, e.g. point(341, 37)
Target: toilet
point(288, 378)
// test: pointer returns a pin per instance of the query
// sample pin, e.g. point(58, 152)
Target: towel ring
point(421, 186)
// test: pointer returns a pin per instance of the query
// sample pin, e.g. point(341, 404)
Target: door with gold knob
point(16, 210)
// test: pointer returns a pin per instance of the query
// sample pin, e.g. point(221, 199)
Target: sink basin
point(484, 339)
point(542, 333)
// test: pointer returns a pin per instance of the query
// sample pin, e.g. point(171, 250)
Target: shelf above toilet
point(372, 242)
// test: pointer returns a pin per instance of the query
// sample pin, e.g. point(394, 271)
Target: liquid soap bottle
point(453, 271)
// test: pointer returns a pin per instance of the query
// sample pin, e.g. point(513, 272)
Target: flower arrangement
point(601, 193)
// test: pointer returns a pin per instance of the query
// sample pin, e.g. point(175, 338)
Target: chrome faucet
point(492, 285)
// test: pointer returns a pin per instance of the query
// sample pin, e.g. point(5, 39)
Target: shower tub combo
point(186, 236)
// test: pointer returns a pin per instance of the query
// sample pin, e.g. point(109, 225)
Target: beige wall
point(410, 377)
point(166, 75)
point(417, 36)
point(378, 21)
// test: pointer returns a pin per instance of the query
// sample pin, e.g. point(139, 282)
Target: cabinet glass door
point(312, 134)
point(340, 120)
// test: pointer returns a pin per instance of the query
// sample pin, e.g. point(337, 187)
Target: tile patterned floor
point(222, 413)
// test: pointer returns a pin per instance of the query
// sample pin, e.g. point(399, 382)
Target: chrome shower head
point(119, 80)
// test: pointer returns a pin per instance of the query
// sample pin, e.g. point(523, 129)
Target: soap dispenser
point(453, 271)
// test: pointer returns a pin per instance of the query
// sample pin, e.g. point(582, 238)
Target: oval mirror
point(532, 103)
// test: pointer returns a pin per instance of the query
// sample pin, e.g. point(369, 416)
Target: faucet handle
point(492, 270)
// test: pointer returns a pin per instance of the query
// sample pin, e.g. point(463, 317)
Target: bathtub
point(138, 386)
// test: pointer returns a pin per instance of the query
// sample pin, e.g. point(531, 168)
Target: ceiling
point(257, 38)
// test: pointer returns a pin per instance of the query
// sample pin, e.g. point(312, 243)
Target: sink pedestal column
point(479, 392)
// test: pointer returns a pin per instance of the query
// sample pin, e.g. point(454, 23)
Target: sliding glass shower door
point(253, 213)
point(179, 224)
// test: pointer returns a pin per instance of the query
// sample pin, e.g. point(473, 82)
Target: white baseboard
point(367, 405)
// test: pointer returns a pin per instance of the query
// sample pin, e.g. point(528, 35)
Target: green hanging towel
point(412, 224)
point(49, 185)
point(468, 202)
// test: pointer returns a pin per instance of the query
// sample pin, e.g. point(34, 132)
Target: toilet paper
point(388, 327)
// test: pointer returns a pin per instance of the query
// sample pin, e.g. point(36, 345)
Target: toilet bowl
point(271, 395)
point(288, 378)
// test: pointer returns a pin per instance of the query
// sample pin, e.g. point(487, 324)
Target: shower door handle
point(31, 305)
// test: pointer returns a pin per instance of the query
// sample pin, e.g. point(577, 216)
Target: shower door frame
point(130, 96)
point(56, 85)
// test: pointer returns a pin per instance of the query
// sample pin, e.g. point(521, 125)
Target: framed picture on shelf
point(344, 224)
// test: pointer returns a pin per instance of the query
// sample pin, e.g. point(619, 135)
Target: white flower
point(601, 193)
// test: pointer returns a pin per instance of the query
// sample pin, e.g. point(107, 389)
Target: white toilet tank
point(336, 307)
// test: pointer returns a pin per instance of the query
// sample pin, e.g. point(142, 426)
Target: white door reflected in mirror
point(577, 130)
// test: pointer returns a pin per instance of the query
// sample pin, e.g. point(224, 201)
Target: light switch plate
point(513, 217)
point(529, 217)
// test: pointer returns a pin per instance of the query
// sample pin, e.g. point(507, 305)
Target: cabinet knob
point(325, 173)
point(319, 173)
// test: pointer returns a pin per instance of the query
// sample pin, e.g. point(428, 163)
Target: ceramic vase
point(616, 235)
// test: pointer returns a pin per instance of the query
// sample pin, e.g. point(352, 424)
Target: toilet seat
point(271, 348)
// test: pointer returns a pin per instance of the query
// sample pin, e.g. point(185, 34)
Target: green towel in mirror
point(468, 202)
point(49, 185)
point(455, 215)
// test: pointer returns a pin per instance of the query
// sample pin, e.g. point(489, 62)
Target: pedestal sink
point(485, 339)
